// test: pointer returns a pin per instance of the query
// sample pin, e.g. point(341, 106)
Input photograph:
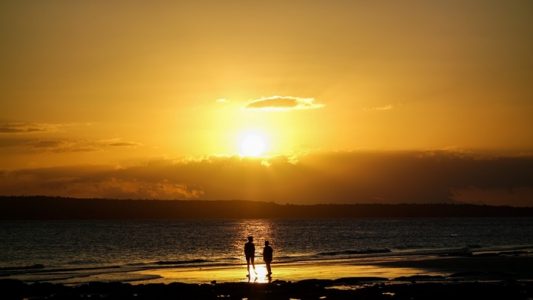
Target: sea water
point(72, 244)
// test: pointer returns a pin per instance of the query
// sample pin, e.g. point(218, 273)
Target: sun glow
point(252, 144)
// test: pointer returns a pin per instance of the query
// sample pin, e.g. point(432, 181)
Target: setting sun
point(252, 144)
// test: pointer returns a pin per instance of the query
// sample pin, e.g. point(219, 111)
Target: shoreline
point(485, 276)
point(516, 264)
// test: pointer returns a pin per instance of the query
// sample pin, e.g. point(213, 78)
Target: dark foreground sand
point(499, 275)
point(348, 288)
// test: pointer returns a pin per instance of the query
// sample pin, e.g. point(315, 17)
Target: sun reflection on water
point(262, 231)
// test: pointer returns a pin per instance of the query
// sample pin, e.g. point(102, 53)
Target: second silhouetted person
point(267, 257)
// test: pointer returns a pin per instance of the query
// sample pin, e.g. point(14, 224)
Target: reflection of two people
point(249, 253)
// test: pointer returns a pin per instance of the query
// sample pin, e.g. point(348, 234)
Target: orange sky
point(123, 83)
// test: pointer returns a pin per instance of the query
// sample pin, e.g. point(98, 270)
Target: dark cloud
point(25, 127)
point(94, 182)
point(517, 196)
point(350, 177)
point(12, 142)
point(123, 144)
point(283, 103)
point(62, 145)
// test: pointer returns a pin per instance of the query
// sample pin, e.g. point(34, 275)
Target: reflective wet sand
point(287, 272)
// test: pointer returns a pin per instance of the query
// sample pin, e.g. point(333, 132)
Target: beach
point(482, 275)
point(480, 263)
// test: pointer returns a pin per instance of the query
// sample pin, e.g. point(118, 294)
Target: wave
point(182, 262)
point(353, 252)
point(231, 258)
point(31, 267)
point(82, 262)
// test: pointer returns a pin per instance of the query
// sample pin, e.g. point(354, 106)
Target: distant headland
point(60, 208)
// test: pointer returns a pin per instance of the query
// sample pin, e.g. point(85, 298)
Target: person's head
point(266, 243)
point(250, 239)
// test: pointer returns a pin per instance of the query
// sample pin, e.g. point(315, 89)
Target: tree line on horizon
point(61, 208)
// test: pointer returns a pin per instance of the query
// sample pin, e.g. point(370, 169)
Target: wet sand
point(477, 267)
point(485, 266)
point(482, 266)
point(483, 276)
point(285, 271)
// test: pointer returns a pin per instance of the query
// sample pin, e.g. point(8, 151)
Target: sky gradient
point(120, 89)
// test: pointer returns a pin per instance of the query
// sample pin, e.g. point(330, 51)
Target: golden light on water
point(261, 230)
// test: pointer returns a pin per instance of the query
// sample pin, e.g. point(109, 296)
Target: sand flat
point(283, 271)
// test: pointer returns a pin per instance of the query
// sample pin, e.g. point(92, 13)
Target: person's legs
point(253, 264)
point(248, 265)
point(269, 271)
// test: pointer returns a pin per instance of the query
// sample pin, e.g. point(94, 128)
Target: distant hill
point(41, 208)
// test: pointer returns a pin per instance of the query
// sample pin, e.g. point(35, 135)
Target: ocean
point(72, 245)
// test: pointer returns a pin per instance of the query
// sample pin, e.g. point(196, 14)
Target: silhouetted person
point(267, 257)
point(249, 252)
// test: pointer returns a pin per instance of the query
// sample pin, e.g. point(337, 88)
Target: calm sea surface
point(56, 244)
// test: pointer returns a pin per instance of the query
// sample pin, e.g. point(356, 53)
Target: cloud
point(283, 103)
point(521, 196)
point(12, 142)
point(335, 177)
point(116, 142)
point(380, 108)
point(62, 145)
point(97, 182)
point(32, 136)
point(26, 127)
point(123, 144)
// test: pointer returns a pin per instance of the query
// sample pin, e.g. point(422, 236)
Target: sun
point(252, 144)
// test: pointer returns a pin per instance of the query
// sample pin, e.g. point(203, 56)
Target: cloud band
point(283, 103)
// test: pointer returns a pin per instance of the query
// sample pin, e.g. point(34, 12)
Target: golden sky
point(120, 83)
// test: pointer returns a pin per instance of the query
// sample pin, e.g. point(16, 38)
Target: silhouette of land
point(41, 207)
